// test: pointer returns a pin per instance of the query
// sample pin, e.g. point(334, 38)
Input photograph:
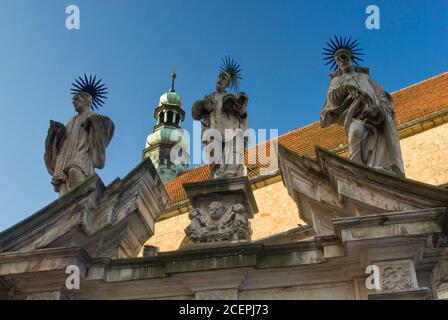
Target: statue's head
point(223, 82)
point(342, 53)
point(82, 101)
point(229, 75)
point(216, 210)
point(344, 60)
point(88, 91)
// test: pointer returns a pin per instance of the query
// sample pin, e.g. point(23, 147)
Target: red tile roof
point(421, 99)
point(411, 103)
point(175, 189)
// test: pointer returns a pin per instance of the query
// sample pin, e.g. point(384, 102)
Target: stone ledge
point(43, 260)
point(419, 222)
point(409, 294)
point(229, 256)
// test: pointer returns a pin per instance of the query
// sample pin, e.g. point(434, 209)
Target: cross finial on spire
point(173, 76)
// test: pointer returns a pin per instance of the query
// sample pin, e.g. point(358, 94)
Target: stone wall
point(169, 233)
point(425, 155)
point(277, 211)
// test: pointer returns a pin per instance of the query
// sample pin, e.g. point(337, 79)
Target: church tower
point(167, 132)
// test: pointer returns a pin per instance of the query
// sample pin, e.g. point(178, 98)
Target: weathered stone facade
point(357, 222)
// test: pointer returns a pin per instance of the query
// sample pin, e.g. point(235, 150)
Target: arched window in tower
point(160, 117)
point(170, 117)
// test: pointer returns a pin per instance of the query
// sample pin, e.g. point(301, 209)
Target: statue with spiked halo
point(73, 151)
point(224, 120)
point(357, 102)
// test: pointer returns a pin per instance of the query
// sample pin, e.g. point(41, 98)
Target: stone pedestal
point(221, 210)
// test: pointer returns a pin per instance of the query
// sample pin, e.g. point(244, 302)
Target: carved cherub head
point(216, 210)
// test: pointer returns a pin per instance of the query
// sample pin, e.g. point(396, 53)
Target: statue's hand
point(344, 95)
point(353, 92)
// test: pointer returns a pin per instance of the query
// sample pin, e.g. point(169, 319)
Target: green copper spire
point(166, 134)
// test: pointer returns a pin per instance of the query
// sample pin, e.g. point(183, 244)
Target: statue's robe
point(78, 146)
point(229, 112)
point(376, 145)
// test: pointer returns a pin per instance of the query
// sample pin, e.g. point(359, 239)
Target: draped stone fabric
point(81, 144)
point(368, 119)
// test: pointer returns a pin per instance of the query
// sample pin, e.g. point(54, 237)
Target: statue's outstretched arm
point(53, 144)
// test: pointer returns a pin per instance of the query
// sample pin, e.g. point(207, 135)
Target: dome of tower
point(172, 98)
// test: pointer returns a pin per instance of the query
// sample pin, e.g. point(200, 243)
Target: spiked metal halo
point(93, 87)
point(339, 45)
point(232, 69)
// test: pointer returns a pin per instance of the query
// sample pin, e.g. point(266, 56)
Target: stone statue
point(72, 152)
point(357, 102)
point(218, 224)
point(224, 119)
point(222, 206)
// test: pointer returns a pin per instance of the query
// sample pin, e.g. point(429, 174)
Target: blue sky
point(132, 44)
